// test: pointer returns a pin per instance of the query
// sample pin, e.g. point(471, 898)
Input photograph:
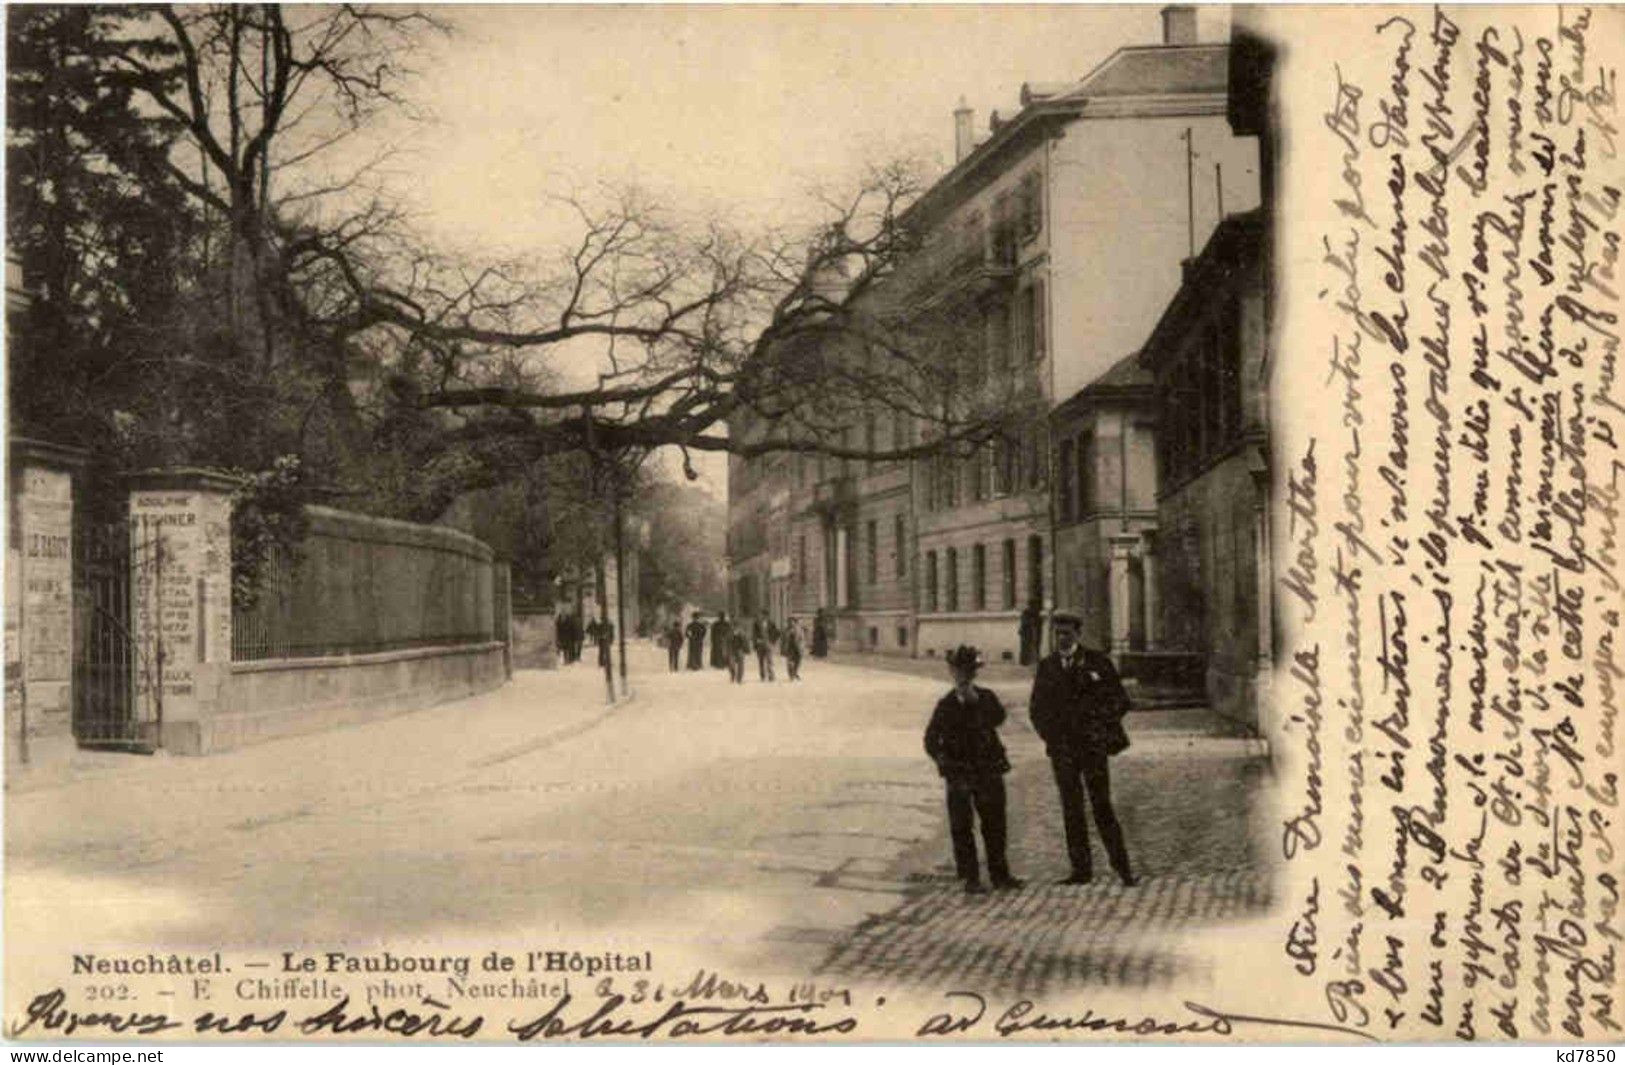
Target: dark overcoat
point(696, 644)
point(721, 632)
point(1078, 709)
point(962, 737)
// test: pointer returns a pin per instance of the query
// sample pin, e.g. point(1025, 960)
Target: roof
point(1158, 70)
point(1125, 373)
point(1127, 379)
point(1235, 242)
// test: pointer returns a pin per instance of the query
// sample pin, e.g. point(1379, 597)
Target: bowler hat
point(1067, 617)
point(965, 657)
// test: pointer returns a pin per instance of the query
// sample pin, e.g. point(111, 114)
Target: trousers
point(983, 797)
point(1074, 776)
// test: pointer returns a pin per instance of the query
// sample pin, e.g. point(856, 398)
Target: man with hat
point(1077, 707)
point(963, 741)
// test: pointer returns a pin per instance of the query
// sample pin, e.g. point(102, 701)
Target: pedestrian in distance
point(761, 643)
point(605, 638)
point(1077, 707)
point(696, 642)
point(962, 739)
point(674, 644)
point(721, 643)
point(737, 646)
point(590, 632)
point(820, 637)
point(792, 651)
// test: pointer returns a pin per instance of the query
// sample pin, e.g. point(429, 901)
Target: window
point(931, 583)
point(1035, 569)
point(902, 636)
point(1021, 330)
point(874, 551)
point(973, 238)
point(948, 486)
point(998, 336)
point(1065, 481)
point(1230, 367)
point(1004, 230)
point(1086, 475)
point(953, 579)
point(979, 576)
point(1033, 455)
point(977, 469)
point(900, 534)
point(850, 596)
point(1212, 394)
point(801, 560)
point(1009, 575)
point(1040, 320)
point(1001, 467)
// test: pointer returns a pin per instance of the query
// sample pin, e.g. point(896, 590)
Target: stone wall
point(535, 640)
point(386, 617)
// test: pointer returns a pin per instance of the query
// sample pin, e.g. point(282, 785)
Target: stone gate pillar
point(180, 588)
point(39, 591)
point(1123, 547)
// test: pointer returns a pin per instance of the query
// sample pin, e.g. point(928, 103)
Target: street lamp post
point(620, 580)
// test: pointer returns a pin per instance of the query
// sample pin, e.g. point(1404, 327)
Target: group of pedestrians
point(1077, 708)
point(731, 643)
point(573, 636)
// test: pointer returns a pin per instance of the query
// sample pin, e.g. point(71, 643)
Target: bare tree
point(693, 329)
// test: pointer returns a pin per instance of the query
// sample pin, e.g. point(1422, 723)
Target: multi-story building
point(1210, 357)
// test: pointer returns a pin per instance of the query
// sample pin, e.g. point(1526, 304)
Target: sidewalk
point(506, 714)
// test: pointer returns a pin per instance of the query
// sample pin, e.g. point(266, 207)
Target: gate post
point(180, 528)
point(39, 592)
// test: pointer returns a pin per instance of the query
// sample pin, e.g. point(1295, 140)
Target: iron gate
point(114, 562)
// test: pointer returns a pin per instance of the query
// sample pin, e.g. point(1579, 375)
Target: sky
point(727, 110)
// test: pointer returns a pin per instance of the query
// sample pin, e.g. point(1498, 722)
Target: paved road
point(777, 828)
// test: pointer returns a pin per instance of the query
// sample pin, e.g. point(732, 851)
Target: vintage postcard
point(795, 524)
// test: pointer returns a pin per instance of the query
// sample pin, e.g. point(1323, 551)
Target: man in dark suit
point(721, 642)
point(696, 642)
point(792, 650)
point(1077, 706)
point(674, 644)
point(762, 636)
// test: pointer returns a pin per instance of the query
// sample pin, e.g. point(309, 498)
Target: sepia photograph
point(812, 524)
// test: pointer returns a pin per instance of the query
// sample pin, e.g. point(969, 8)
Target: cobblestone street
point(1185, 793)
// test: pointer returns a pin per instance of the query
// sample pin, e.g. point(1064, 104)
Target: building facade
point(1051, 248)
point(1106, 509)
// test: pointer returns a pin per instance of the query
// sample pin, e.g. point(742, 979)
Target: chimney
point(964, 139)
point(1179, 24)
